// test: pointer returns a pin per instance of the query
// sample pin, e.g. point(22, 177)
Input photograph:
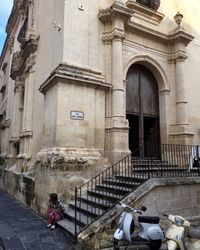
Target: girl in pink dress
point(55, 211)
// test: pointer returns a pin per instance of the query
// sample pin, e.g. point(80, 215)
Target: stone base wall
point(19, 185)
point(56, 170)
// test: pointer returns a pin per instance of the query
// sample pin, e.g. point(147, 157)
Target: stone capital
point(26, 133)
point(116, 34)
point(178, 56)
point(117, 9)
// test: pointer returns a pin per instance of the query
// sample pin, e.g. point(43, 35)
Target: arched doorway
point(142, 111)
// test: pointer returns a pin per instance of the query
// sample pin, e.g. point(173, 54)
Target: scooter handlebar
point(132, 209)
point(165, 215)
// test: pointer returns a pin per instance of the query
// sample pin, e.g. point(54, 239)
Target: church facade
point(87, 82)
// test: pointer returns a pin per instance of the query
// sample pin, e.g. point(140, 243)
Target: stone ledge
point(58, 157)
point(75, 73)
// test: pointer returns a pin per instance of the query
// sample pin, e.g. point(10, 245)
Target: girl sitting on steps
point(55, 211)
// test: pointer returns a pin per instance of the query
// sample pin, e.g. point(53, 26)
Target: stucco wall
point(61, 130)
point(82, 32)
point(49, 55)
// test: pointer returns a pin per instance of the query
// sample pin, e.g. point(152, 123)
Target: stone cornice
point(19, 6)
point(171, 38)
point(116, 9)
point(74, 73)
point(144, 13)
point(180, 35)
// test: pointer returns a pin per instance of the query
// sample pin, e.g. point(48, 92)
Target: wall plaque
point(77, 115)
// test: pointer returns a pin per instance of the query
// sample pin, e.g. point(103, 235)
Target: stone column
point(16, 124)
point(117, 77)
point(180, 131)
point(117, 142)
point(31, 29)
point(18, 91)
point(27, 125)
point(181, 99)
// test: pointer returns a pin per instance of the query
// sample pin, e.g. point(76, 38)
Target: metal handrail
point(174, 161)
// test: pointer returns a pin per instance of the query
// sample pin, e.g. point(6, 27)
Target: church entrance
point(142, 111)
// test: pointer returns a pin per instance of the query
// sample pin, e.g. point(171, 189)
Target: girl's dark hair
point(53, 197)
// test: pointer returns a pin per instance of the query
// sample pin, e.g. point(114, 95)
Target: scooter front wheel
point(115, 244)
point(155, 244)
point(172, 245)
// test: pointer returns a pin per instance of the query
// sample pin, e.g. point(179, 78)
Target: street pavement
point(22, 229)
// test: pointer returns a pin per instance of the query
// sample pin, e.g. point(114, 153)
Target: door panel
point(132, 90)
point(142, 108)
point(149, 93)
point(133, 133)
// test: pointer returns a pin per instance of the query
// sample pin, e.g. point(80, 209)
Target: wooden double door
point(142, 111)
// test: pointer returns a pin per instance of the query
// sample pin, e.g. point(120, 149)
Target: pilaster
point(179, 38)
point(117, 128)
point(27, 125)
point(17, 116)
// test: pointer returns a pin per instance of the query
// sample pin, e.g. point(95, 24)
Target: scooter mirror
point(143, 208)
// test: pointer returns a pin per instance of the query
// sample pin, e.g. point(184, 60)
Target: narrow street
point(22, 229)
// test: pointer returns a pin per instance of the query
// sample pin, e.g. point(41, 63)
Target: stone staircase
point(105, 194)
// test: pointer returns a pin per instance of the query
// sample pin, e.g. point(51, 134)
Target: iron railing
point(172, 161)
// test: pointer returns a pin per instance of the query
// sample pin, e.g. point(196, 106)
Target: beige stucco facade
point(63, 80)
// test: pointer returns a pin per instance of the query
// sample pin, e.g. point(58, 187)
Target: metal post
point(75, 231)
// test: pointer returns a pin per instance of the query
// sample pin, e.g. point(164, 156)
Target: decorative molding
point(116, 9)
point(32, 14)
point(19, 7)
point(14, 140)
point(116, 34)
point(179, 35)
point(178, 56)
point(74, 73)
point(26, 133)
point(19, 84)
point(24, 156)
point(22, 61)
point(144, 13)
point(5, 123)
point(11, 41)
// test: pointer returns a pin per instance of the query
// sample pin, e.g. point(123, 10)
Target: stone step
point(82, 219)
point(92, 210)
point(166, 168)
point(69, 227)
point(114, 189)
point(97, 201)
point(105, 195)
point(139, 178)
point(118, 182)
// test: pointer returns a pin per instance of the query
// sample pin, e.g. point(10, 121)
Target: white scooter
point(149, 234)
point(176, 234)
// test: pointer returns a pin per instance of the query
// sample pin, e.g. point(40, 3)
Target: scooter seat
point(148, 219)
point(194, 233)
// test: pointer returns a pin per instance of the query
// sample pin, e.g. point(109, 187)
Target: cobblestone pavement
point(22, 229)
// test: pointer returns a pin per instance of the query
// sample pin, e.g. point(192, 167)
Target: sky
point(5, 9)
